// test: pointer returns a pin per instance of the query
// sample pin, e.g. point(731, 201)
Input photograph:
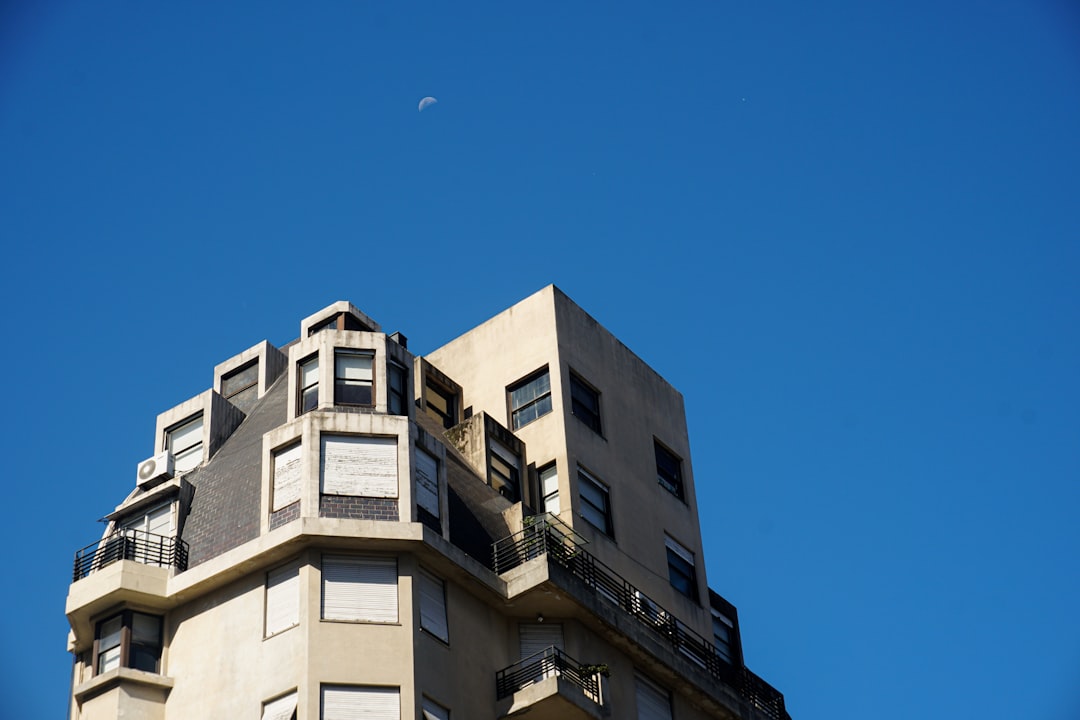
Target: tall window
point(530, 399)
point(585, 403)
point(128, 639)
point(282, 599)
point(185, 442)
point(397, 388)
point(653, 701)
point(433, 606)
point(352, 378)
point(549, 488)
point(722, 629)
point(307, 394)
point(441, 403)
point(668, 470)
point(241, 386)
point(505, 472)
point(595, 502)
point(681, 570)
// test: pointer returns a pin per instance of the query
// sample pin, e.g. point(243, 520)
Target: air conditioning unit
point(154, 470)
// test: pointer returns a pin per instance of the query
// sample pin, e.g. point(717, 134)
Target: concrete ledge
point(551, 698)
point(114, 678)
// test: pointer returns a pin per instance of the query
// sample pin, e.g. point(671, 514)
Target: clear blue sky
point(848, 232)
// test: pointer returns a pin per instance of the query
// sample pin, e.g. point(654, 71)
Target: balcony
point(562, 546)
point(142, 547)
point(549, 684)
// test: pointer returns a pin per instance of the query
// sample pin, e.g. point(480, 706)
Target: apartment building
point(339, 529)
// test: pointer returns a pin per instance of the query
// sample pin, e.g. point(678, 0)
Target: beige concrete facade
point(397, 556)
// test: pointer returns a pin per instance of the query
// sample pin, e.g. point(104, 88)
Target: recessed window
point(585, 403)
point(241, 386)
point(653, 701)
point(530, 399)
point(185, 442)
point(433, 606)
point(286, 485)
point(595, 502)
point(723, 632)
point(681, 571)
point(359, 589)
point(668, 471)
point(352, 378)
point(549, 488)
point(128, 639)
point(441, 403)
point(349, 702)
point(307, 394)
point(282, 599)
point(427, 483)
point(397, 388)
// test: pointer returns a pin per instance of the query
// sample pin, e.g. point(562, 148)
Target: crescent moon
point(425, 102)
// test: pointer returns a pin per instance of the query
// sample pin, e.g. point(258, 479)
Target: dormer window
point(340, 321)
point(307, 394)
point(441, 404)
point(241, 386)
point(353, 377)
point(185, 442)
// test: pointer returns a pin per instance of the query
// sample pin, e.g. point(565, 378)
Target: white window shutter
point(427, 482)
point(363, 589)
point(535, 637)
point(358, 465)
point(282, 599)
point(342, 702)
point(433, 606)
point(284, 708)
point(286, 476)
point(653, 703)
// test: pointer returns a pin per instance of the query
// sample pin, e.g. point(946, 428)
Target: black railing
point(548, 535)
point(550, 661)
point(136, 545)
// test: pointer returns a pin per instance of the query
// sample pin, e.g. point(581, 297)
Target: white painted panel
point(358, 465)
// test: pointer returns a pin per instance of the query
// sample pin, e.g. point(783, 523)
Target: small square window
point(530, 399)
point(585, 403)
point(129, 639)
point(307, 392)
point(441, 403)
point(668, 471)
point(595, 502)
point(353, 378)
point(681, 570)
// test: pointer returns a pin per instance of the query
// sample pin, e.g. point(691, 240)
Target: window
point(286, 488)
point(681, 571)
point(397, 388)
point(505, 473)
point(359, 465)
point(351, 702)
point(352, 378)
point(283, 708)
point(360, 589)
point(441, 403)
point(130, 639)
point(653, 702)
point(549, 489)
point(307, 394)
point(241, 386)
point(152, 524)
point(282, 599)
point(427, 483)
point(185, 442)
point(530, 399)
point(434, 711)
point(433, 606)
point(722, 629)
point(585, 403)
point(668, 470)
point(595, 502)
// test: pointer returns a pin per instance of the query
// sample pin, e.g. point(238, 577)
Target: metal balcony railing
point(548, 535)
point(136, 545)
point(550, 661)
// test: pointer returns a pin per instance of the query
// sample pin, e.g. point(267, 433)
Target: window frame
point(301, 389)
point(581, 391)
point(515, 411)
point(724, 648)
point(388, 618)
point(126, 643)
point(508, 482)
point(397, 370)
point(673, 484)
point(181, 454)
point(543, 474)
point(254, 383)
point(438, 583)
point(342, 383)
point(585, 478)
point(450, 399)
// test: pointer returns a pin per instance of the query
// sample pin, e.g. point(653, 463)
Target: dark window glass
point(669, 471)
point(353, 378)
point(505, 476)
point(241, 386)
point(396, 390)
point(530, 399)
point(595, 503)
point(441, 404)
point(681, 574)
point(585, 403)
point(130, 639)
point(721, 637)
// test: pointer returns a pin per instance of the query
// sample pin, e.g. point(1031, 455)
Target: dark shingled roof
point(225, 509)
